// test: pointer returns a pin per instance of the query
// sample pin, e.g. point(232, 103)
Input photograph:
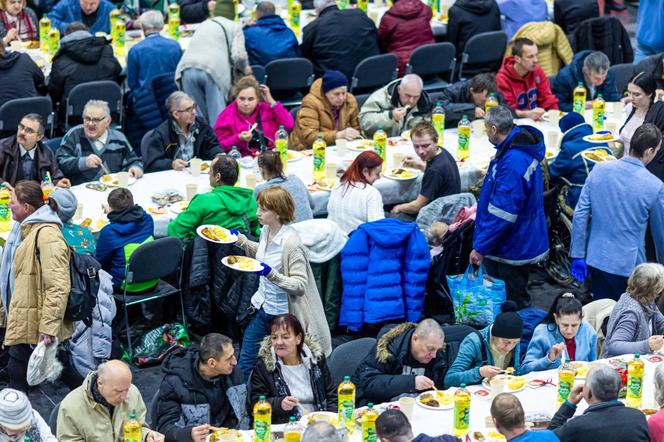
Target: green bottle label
point(635, 386)
point(564, 389)
point(262, 431)
point(461, 418)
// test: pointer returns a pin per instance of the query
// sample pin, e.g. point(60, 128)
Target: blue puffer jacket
point(384, 267)
point(510, 225)
point(572, 74)
point(547, 335)
point(569, 166)
point(270, 39)
point(67, 11)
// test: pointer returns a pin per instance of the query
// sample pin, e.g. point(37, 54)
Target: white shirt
point(630, 127)
point(349, 206)
point(299, 384)
point(99, 143)
point(273, 299)
point(30, 152)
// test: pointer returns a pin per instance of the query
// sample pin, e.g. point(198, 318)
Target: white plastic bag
point(43, 364)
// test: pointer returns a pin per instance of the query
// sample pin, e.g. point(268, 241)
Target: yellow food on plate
point(495, 436)
point(205, 167)
point(602, 136)
point(312, 418)
point(87, 222)
point(401, 173)
point(215, 233)
point(597, 155)
point(242, 262)
point(99, 224)
point(157, 210)
point(550, 154)
point(516, 382)
point(181, 205)
point(509, 370)
point(109, 180)
point(581, 368)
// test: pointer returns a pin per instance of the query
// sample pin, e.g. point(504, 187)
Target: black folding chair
point(483, 53)
point(12, 111)
point(294, 112)
point(432, 62)
point(53, 419)
point(259, 73)
point(361, 99)
point(347, 357)
point(153, 260)
point(289, 79)
point(622, 74)
point(374, 72)
point(144, 143)
point(108, 91)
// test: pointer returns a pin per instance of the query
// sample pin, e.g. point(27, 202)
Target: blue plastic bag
point(476, 297)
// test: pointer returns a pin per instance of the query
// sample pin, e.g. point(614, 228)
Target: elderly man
point(523, 82)
point(93, 149)
point(393, 426)
point(508, 417)
point(321, 432)
point(269, 38)
point(407, 359)
point(441, 173)
point(92, 13)
point(180, 138)
point(396, 107)
point(154, 55)
point(338, 39)
point(590, 69)
point(24, 157)
point(469, 98)
point(203, 379)
point(606, 419)
point(96, 410)
point(510, 228)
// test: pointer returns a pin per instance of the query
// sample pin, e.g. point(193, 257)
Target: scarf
point(32, 432)
point(98, 398)
point(27, 30)
point(336, 113)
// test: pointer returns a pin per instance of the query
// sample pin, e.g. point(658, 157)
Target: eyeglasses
point(189, 110)
point(90, 120)
point(27, 130)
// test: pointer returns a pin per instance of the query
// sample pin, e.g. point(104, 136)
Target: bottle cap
point(261, 398)
point(637, 356)
point(462, 386)
point(281, 126)
point(370, 405)
point(346, 378)
point(291, 419)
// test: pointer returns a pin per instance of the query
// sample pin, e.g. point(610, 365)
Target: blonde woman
point(17, 22)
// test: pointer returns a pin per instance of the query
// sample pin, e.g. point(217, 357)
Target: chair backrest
point(597, 314)
point(53, 143)
point(289, 75)
point(486, 49)
point(108, 91)
point(144, 143)
point(621, 74)
point(361, 98)
point(347, 357)
point(12, 111)
point(431, 60)
point(53, 419)
point(374, 72)
point(154, 259)
point(259, 73)
point(294, 112)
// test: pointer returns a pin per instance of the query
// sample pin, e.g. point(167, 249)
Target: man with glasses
point(25, 157)
point(93, 149)
point(182, 137)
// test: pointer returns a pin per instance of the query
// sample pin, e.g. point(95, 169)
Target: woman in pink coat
point(252, 119)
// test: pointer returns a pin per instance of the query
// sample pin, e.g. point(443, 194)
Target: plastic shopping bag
point(476, 297)
point(153, 346)
point(43, 364)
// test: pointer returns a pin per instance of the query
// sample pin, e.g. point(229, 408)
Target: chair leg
point(126, 319)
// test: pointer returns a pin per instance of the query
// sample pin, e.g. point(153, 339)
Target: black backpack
point(84, 275)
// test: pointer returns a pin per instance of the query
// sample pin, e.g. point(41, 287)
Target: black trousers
point(17, 367)
point(515, 278)
point(606, 285)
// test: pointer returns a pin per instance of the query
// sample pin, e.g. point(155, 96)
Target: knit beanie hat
point(508, 324)
point(333, 80)
point(15, 409)
point(66, 203)
point(569, 121)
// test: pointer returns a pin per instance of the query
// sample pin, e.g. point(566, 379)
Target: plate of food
point(597, 155)
point(436, 400)
point(294, 156)
point(485, 436)
point(179, 207)
point(326, 185)
point(361, 145)
point(205, 167)
point(513, 383)
point(649, 412)
point(401, 174)
point(242, 264)
point(551, 154)
point(94, 226)
point(581, 368)
point(157, 211)
point(166, 197)
point(603, 136)
point(319, 416)
point(547, 115)
point(216, 234)
point(112, 180)
point(216, 434)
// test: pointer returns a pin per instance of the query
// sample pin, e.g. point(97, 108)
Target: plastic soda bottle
point(463, 144)
point(44, 27)
point(319, 158)
point(371, 435)
point(113, 18)
point(363, 5)
point(132, 428)
point(174, 27)
point(294, 10)
point(438, 121)
point(173, 10)
point(262, 420)
point(579, 99)
point(566, 376)
point(281, 146)
point(342, 4)
point(461, 411)
point(237, 156)
point(53, 41)
point(119, 42)
point(635, 382)
point(47, 185)
point(293, 431)
point(380, 145)
point(346, 403)
point(5, 213)
point(491, 101)
point(369, 423)
point(598, 113)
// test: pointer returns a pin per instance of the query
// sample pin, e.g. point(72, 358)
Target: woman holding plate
point(287, 284)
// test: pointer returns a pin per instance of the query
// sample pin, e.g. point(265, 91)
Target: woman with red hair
point(355, 201)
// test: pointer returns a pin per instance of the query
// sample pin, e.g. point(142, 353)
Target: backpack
point(84, 276)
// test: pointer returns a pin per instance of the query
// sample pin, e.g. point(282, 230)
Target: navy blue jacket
point(571, 75)
point(153, 56)
point(510, 225)
point(270, 39)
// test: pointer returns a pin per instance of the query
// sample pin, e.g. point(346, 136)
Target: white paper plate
point(361, 145)
point(294, 156)
point(230, 240)
point(388, 174)
point(131, 180)
point(442, 407)
point(257, 266)
point(590, 140)
point(178, 207)
point(319, 416)
point(486, 385)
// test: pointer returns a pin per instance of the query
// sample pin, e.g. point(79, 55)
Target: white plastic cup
point(342, 146)
point(79, 211)
point(123, 179)
point(251, 181)
point(195, 166)
point(192, 190)
point(406, 405)
point(552, 139)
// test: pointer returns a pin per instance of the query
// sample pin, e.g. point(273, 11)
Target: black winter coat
point(193, 11)
point(11, 169)
point(187, 400)
point(471, 17)
point(458, 101)
point(266, 380)
point(604, 34)
point(569, 13)
point(654, 66)
point(20, 77)
point(163, 144)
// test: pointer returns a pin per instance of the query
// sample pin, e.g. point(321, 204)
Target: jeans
point(210, 100)
point(515, 279)
point(606, 285)
point(258, 328)
point(643, 51)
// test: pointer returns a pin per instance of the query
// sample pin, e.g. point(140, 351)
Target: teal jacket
point(472, 355)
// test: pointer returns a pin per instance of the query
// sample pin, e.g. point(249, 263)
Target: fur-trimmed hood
point(383, 353)
point(312, 352)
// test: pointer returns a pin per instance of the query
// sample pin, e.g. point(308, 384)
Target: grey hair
point(321, 432)
point(173, 101)
point(319, 5)
point(99, 104)
point(429, 327)
point(152, 21)
point(409, 78)
point(501, 117)
point(103, 371)
point(603, 382)
point(646, 283)
point(596, 62)
point(659, 384)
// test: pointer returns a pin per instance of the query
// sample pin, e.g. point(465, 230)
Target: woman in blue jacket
point(562, 329)
point(489, 352)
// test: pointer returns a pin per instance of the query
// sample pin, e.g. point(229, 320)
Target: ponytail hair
point(566, 303)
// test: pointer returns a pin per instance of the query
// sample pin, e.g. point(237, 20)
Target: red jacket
point(403, 28)
point(527, 92)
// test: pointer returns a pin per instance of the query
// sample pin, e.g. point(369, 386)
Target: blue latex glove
point(579, 269)
point(235, 232)
point(266, 270)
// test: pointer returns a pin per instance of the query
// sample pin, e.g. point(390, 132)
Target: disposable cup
point(195, 166)
point(406, 405)
point(192, 190)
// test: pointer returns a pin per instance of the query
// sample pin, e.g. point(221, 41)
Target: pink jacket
point(231, 122)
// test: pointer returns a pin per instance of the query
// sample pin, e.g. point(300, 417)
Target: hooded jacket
point(270, 39)
point(654, 65)
point(81, 58)
point(227, 206)
point(510, 226)
point(471, 17)
point(187, 400)
point(386, 372)
point(20, 77)
point(571, 75)
point(67, 11)
point(554, 50)
point(458, 101)
point(524, 93)
point(517, 13)
point(569, 13)
point(267, 380)
point(128, 229)
point(11, 169)
point(403, 28)
point(384, 269)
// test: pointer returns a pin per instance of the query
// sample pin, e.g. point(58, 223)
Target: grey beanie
point(66, 203)
point(15, 409)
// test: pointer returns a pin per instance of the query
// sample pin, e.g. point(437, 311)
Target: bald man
point(96, 410)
